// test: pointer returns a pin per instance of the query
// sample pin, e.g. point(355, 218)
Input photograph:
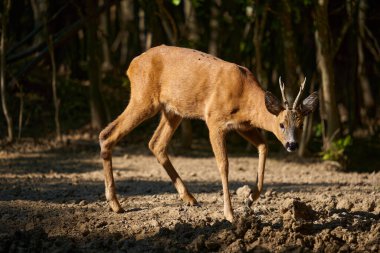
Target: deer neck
point(260, 117)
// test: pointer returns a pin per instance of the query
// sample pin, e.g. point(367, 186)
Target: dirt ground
point(52, 200)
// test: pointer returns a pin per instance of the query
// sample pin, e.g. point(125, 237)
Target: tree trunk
point(368, 106)
point(290, 56)
point(97, 107)
point(4, 21)
point(104, 24)
point(144, 35)
point(39, 8)
point(308, 126)
point(54, 88)
point(192, 37)
point(260, 22)
point(214, 28)
point(325, 66)
point(191, 22)
point(126, 19)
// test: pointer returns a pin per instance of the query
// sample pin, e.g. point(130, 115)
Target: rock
point(101, 224)
point(82, 203)
point(242, 224)
point(268, 193)
point(198, 244)
point(298, 210)
point(83, 229)
point(303, 227)
point(344, 204)
point(368, 205)
point(212, 245)
point(243, 191)
point(236, 246)
point(155, 224)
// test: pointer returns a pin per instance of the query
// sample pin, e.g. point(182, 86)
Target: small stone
point(369, 205)
point(101, 224)
point(268, 193)
point(83, 228)
point(244, 191)
point(236, 246)
point(344, 204)
point(298, 210)
point(82, 203)
point(155, 223)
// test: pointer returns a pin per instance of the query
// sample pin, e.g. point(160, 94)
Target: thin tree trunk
point(39, 8)
point(191, 22)
point(98, 112)
point(368, 100)
point(21, 111)
point(50, 46)
point(126, 19)
point(290, 56)
point(308, 124)
point(325, 66)
point(260, 22)
point(54, 89)
point(214, 28)
point(192, 37)
point(106, 64)
point(144, 34)
point(8, 118)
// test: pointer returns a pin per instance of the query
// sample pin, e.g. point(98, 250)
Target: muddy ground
point(52, 200)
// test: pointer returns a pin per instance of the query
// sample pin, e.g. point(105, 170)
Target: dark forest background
point(63, 63)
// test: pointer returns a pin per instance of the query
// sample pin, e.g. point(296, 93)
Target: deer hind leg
point(132, 116)
point(158, 145)
point(255, 138)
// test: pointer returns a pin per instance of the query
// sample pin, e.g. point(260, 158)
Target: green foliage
point(176, 2)
point(338, 150)
point(318, 130)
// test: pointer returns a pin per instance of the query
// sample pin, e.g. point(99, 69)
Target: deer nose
point(291, 146)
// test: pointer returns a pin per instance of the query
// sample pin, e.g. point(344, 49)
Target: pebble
point(243, 191)
point(82, 203)
point(83, 228)
point(344, 204)
point(101, 224)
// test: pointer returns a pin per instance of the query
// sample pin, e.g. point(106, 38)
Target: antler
point(299, 93)
point(282, 88)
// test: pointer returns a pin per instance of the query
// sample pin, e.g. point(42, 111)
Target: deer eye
point(282, 126)
point(301, 126)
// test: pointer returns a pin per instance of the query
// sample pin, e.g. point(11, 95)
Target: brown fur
point(184, 83)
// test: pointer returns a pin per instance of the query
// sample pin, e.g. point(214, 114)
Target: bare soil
point(52, 200)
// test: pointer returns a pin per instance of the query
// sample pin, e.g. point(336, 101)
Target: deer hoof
point(190, 200)
point(230, 218)
point(115, 206)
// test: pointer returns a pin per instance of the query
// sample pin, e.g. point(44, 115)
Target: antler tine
point(299, 93)
point(282, 88)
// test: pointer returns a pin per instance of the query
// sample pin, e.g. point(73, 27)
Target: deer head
point(289, 118)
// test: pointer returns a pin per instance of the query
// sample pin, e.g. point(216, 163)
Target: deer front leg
point(254, 137)
point(217, 139)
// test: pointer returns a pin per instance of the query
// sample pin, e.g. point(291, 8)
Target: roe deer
point(185, 83)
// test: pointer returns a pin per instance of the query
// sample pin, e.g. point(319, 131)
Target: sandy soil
point(52, 200)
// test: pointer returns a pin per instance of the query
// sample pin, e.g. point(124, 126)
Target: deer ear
point(272, 104)
point(309, 104)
